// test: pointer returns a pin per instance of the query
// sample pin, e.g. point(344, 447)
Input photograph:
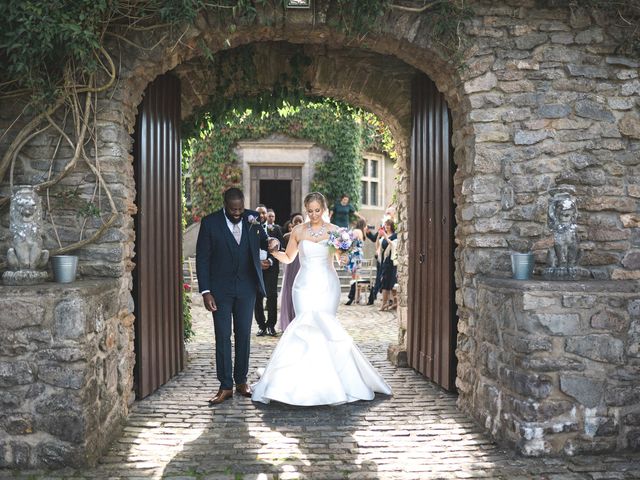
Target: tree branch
point(421, 9)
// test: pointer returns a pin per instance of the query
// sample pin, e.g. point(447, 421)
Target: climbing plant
point(342, 129)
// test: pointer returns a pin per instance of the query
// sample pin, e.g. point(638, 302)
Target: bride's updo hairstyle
point(315, 197)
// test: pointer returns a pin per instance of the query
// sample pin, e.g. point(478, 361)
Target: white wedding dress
point(316, 361)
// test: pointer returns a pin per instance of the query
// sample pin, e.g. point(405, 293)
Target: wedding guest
point(271, 219)
point(270, 270)
point(355, 259)
point(375, 235)
point(287, 312)
point(388, 271)
point(341, 212)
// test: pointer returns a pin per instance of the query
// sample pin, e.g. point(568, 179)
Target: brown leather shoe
point(244, 389)
point(220, 397)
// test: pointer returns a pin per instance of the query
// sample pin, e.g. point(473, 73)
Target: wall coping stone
point(535, 284)
point(84, 286)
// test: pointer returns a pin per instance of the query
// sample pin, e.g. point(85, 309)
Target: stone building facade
point(545, 98)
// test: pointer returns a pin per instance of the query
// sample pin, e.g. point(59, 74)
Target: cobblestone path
point(416, 434)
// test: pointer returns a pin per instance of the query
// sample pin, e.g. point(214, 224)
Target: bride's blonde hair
point(315, 197)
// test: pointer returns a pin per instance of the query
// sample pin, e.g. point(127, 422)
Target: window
point(371, 182)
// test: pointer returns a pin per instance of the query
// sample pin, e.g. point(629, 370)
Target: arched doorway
point(325, 75)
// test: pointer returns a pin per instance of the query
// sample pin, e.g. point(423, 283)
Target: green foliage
point(359, 17)
point(186, 292)
point(48, 45)
point(71, 198)
point(38, 39)
point(186, 312)
point(235, 74)
point(343, 130)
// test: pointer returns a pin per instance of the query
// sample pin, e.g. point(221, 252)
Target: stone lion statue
point(25, 214)
point(562, 222)
point(565, 253)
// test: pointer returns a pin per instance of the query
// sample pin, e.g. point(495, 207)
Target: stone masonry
point(558, 365)
point(66, 359)
point(545, 97)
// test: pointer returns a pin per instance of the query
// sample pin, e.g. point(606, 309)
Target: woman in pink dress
point(287, 312)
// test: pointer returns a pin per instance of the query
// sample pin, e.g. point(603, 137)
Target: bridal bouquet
point(342, 240)
point(345, 242)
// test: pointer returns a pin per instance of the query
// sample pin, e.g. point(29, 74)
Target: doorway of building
point(276, 194)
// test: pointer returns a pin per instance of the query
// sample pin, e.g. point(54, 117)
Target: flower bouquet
point(341, 240)
point(345, 242)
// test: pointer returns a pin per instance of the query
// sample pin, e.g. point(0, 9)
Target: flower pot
point(522, 265)
point(64, 268)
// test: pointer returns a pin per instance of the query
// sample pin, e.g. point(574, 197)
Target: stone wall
point(66, 372)
point(546, 99)
point(557, 365)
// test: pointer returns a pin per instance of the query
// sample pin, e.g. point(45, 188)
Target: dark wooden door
point(431, 326)
point(276, 194)
point(158, 289)
point(294, 174)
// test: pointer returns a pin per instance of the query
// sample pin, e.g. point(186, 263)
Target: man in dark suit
point(270, 271)
point(230, 277)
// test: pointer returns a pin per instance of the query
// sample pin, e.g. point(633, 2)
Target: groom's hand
point(274, 244)
point(209, 302)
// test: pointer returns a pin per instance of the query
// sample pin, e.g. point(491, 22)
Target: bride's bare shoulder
point(332, 227)
point(298, 231)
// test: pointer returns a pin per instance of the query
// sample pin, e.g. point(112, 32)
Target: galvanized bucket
point(522, 265)
point(64, 268)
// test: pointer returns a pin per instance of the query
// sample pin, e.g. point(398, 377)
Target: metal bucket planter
point(522, 265)
point(64, 268)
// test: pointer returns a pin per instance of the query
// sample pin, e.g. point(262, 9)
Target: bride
point(316, 361)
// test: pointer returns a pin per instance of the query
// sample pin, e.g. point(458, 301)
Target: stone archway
point(522, 110)
point(378, 82)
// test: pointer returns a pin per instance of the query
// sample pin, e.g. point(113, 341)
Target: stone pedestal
point(66, 356)
point(397, 355)
point(556, 365)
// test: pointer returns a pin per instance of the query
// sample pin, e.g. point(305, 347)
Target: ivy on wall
point(340, 128)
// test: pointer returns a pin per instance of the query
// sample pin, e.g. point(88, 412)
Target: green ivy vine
point(340, 128)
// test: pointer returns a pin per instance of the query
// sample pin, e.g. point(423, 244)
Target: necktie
point(236, 232)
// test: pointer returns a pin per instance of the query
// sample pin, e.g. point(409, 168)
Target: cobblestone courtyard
point(416, 434)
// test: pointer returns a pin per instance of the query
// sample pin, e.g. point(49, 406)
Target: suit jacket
point(217, 252)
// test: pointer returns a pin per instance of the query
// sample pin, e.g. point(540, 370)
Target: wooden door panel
point(431, 326)
point(157, 278)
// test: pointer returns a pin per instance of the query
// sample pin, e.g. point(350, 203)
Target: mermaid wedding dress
point(316, 361)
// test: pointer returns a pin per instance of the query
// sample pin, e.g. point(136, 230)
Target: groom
point(229, 277)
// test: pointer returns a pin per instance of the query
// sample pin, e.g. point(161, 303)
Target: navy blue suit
point(232, 273)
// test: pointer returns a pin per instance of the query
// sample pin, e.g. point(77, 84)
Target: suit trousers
point(233, 310)
point(270, 277)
